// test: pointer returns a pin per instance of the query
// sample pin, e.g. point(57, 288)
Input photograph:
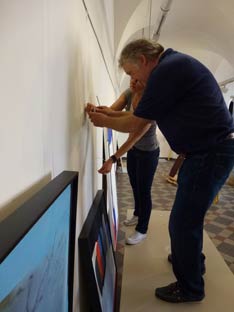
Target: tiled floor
point(219, 221)
point(149, 260)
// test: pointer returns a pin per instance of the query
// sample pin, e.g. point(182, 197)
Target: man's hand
point(98, 119)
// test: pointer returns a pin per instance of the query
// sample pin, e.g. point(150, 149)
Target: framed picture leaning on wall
point(97, 258)
point(37, 250)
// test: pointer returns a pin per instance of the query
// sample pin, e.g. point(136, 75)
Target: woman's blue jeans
point(141, 166)
point(200, 178)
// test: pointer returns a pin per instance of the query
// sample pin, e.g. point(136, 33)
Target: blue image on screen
point(109, 135)
point(34, 276)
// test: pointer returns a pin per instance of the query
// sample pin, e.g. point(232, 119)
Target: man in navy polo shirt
point(184, 98)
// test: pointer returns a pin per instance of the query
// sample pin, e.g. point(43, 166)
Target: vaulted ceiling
point(202, 28)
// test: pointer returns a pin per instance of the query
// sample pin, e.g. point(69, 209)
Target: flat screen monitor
point(37, 244)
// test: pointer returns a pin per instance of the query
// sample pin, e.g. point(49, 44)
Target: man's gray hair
point(132, 51)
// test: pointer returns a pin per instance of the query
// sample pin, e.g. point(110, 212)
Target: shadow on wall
point(81, 142)
point(14, 203)
point(80, 86)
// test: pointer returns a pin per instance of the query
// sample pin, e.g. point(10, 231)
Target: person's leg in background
point(145, 167)
point(148, 162)
point(200, 178)
point(132, 174)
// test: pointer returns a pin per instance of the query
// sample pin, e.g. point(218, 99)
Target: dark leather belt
point(230, 136)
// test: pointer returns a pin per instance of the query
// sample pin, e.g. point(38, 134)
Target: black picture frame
point(100, 276)
point(60, 197)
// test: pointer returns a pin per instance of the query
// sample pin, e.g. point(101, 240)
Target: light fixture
point(223, 84)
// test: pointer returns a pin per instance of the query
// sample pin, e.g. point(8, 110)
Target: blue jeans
point(141, 166)
point(200, 178)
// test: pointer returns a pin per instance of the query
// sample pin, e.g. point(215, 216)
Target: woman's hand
point(90, 108)
point(106, 168)
point(104, 110)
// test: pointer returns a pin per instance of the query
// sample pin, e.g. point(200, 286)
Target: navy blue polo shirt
point(184, 98)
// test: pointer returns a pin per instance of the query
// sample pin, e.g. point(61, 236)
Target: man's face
point(137, 71)
point(133, 70)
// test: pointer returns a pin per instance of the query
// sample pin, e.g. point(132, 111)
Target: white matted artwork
point(111, 200)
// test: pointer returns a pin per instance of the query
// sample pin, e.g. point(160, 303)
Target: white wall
point(51, 65)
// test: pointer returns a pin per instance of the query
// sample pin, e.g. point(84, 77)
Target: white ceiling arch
point(202, 28)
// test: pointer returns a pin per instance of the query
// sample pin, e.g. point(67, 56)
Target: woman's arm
point(132, 139)
point(118, 105)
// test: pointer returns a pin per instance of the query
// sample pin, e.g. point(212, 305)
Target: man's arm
point(111, 113)
point(125, 123)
